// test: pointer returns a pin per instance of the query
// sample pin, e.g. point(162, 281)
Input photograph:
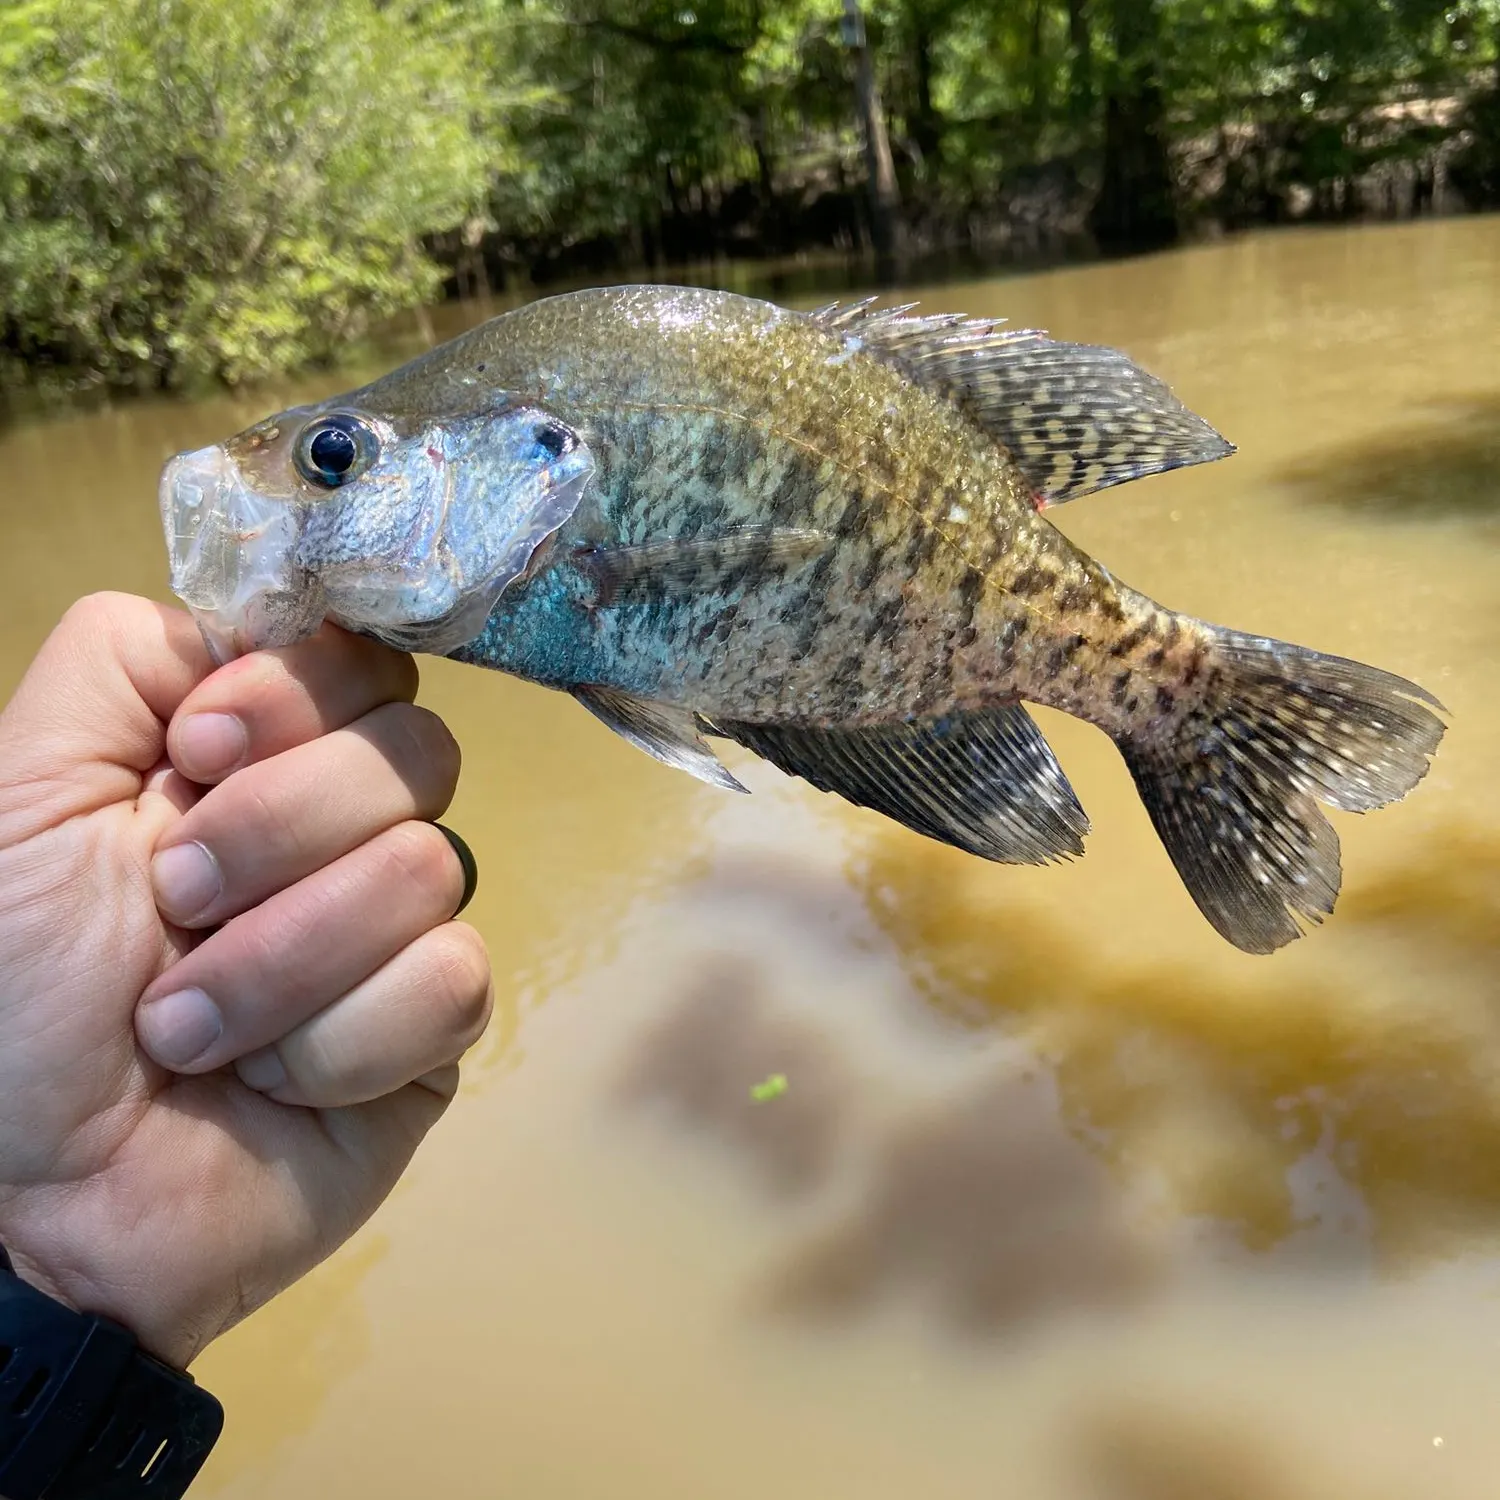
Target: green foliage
point(220, 188)
point(194, 190)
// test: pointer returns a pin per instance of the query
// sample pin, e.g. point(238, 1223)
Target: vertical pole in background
point(885, 196)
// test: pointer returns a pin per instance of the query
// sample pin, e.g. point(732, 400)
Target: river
point(1065, 1199)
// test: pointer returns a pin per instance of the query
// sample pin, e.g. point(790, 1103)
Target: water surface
point(1066, 1199)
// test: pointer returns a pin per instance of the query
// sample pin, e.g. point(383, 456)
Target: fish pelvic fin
point(1074, 418)
point(664, 731)
point(985, 781)
point(1233, 786)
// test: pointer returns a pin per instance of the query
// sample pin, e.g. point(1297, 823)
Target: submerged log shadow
point(1442, 465)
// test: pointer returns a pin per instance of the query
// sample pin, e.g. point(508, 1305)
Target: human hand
point(173, 1166)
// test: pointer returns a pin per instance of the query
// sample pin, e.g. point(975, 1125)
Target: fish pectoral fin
point(985, 782)
point(1075, 418)
point(640, 571)
point(660, 729)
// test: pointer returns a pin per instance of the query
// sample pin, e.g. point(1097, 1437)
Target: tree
point(190, 190)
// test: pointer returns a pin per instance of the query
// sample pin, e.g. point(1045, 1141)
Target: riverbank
point(1402, 159)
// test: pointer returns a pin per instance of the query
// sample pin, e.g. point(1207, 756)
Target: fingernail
point(179, 1028)
point(210, 745)
point(261, 1071)
point(186, 878)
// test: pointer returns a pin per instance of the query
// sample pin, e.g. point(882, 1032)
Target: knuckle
point(103, 614)
point(459, 987)
point(416, 853)
point(395, 670)
point(420, 746)
point(267, 821)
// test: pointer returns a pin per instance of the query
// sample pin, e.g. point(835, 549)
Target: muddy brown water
point(1065, 1199)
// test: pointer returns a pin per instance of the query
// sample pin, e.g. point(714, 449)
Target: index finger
point(270, 701)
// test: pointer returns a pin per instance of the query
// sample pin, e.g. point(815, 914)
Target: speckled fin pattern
point(984, 782)
point(661, 730)
point(1074, 417)
point(1233, 789)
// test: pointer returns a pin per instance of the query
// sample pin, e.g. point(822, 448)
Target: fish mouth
point(234, 557)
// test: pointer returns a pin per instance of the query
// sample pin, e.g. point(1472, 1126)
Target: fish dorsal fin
point(660, 729)
point(985, 782)
point(1074, 417)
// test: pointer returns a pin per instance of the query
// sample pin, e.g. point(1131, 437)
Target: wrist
point(78, 1293)
point(86, 1412)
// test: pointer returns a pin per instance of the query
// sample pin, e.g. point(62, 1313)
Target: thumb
point(88, 721)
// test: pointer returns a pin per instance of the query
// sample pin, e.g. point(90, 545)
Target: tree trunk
point(1036, 85)
point(926, 123)
point(1136, 208)
point(885, 196)
point(1081, 63)
point(772, 231)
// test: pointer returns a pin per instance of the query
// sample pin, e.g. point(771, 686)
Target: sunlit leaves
point(225, 190)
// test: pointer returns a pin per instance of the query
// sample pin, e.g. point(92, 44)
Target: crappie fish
point(821, 536)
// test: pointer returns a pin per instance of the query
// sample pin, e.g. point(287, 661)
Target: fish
point(820, 535)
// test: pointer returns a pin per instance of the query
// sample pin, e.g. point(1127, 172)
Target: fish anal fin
point(1075, 418)
point(984, 781)
point(662, 730)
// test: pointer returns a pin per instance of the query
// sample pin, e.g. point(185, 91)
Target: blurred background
point(226, 190)
point(1056, 1197)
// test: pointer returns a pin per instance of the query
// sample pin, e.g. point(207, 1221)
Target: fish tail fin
point(1233, 783)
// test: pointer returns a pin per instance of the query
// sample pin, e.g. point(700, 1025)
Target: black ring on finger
point(467, 860)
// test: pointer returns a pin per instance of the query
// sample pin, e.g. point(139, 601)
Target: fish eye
point(333, 450)
point(554, 439)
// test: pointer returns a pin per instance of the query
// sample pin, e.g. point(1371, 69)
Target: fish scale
point(823, 536)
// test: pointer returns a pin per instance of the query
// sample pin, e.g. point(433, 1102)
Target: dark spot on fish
point(479, 369)
point(809, 629)
point(1194, 666)
point(998, 547)
point(1012, 631)
point(1131, 704)
point(965, 638)
point(1075, 596)
point(1174, 629)
point(870, 568)
point(844, 677)
point(970, 588)
point(886, 623)
point(1119, 688)
point(1156, 658)
point(1030, 580)
point(1129, 641)
point(711, 463)
point(851, 515)
point(1165, 701)
point(1059, 656)
point(922, 548)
